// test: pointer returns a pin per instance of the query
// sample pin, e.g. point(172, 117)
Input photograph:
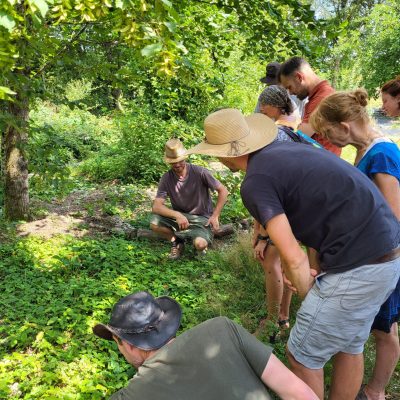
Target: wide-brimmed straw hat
point(230, 134)
point(143, 321)
point(174, 151)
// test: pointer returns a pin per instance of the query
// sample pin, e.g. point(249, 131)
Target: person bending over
point(343, 119)
point(298, 193)
point(215, 360)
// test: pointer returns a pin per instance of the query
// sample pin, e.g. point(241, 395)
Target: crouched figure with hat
point(215, 360)
point(192, 215)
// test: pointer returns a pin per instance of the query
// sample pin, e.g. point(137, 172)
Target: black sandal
point(283, 322)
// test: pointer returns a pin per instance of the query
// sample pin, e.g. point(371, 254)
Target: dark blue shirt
point(331, 206)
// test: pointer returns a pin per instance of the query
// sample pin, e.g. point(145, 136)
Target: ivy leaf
point(6, 21)
point(151, 49)
point(42, 6)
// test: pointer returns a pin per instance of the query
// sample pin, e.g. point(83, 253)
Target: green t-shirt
point(217, 359)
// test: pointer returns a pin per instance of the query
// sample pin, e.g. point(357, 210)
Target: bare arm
point(306, 128)
point(160, 208)
point(295, 261)
point(284, 382)
point(390, 188)
point(222, 197)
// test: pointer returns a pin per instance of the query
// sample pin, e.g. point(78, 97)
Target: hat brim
point(175, 160)
point(262, 131)
point(154, 339)
point(269, 80)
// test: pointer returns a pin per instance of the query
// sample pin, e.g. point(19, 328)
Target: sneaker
point(176, 250)
point(201, 254)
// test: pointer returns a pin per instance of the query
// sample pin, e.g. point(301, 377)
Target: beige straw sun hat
point(174, 151)
point(230, 134)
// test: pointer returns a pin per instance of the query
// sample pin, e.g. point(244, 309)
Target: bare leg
point(273, 283)
point(347, 376)
point(200, 243)
point(313, 377)
point(285, 304)
point(387, 356)
point(163, 231)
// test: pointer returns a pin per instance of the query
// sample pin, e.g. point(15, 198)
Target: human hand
point(182, 222)
point(259, 250)
point(310, 283)
point(214, 222)
point(288, 283)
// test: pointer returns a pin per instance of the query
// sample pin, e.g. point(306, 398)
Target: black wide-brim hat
point(271, 73)
point(143, 321)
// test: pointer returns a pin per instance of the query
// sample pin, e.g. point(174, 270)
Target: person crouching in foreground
point(216, 360)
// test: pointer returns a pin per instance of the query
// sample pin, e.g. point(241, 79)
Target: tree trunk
point(16, 195)
point(117, 97)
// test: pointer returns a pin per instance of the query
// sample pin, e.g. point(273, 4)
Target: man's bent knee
point(200, 243)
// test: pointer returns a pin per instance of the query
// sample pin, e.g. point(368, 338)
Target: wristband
point(261, 237)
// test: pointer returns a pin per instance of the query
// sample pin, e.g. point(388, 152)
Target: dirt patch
point(82, 213)
point(52, 225)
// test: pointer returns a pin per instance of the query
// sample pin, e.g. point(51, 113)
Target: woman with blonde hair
point(343, 119)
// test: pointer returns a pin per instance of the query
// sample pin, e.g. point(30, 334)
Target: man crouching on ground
point(215, 360)
point(192, 216)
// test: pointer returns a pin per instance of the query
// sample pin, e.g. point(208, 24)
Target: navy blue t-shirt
point(331, 206)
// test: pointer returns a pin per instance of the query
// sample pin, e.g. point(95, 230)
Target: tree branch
point(66, 46)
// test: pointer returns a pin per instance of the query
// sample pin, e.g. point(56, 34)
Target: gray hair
point(276, 96)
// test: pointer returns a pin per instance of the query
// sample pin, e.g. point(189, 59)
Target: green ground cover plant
point(54, 291)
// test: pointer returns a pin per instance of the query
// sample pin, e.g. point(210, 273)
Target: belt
point(392, 255)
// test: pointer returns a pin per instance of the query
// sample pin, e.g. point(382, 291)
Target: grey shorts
point(196, 228)
point(337, 313)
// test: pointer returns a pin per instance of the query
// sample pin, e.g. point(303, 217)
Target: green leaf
point(151, 49)
point(5, 90)
point(119, 4)
point(6, 21)
point(167, 3)
point(42, 6)
point(171, 26)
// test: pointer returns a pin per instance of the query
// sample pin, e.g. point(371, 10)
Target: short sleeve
point(382, 163)
point(162, 191)
point(262, 196)
point(209, 180)
point(120, 395)
point(256, 353)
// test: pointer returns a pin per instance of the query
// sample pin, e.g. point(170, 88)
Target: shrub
point(139, 152)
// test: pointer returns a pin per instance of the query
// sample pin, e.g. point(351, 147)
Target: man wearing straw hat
point(215, 360)
point(298, 193)
point(192, 215)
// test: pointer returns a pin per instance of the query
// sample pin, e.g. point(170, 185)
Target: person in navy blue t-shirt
point(299, 193)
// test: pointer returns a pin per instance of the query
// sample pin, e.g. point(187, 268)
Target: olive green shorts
point(196, 228)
